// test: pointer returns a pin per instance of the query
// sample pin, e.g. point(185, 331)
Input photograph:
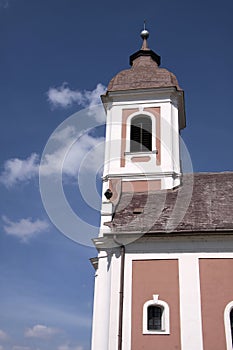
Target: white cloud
point(3, 335)
point(65, 97)
point(86, 154)
point(96, 109)
point(41, 331)
point(24, 228)
point(19, 347)
point(69, 151)
point(92, 98)
point(65, 135)
point(21, 170)
point(17, 170)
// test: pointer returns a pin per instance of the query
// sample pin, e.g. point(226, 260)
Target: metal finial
point(144, 35)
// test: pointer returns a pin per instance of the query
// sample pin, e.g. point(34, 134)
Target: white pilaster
point(190, 303)
point(100, 328)
point(114, 305)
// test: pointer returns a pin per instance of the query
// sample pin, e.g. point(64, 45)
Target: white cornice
point(151, 92)
point(139, 176)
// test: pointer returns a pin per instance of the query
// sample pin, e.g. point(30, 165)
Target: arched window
point(140, 134)
point(228, 320)
point(156, 319)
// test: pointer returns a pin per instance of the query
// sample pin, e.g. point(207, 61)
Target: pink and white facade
point(155, 287)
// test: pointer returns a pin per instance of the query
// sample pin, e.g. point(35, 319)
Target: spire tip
point(144, 35)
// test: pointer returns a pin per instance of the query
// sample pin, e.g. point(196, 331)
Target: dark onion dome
point(145, 71)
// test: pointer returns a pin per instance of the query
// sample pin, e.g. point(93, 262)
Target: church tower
point(145, 112)
point(156, 263)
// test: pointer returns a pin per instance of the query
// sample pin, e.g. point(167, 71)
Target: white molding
point(200, 245)
point(176, 256)
point(128, 126)
point(135, 94)
point(227, 324)
point(165, 316)
point(135, 176)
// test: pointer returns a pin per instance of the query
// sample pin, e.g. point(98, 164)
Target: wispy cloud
point(3, 335)
point(17, 170)
point(91, 148)
point(25, 307)
point(19, 347)
point(87, 152)
point(41, 331)
point(64, 97)
point(4, 3)
point(24, 229)
point(67, 346)
point(92, 98)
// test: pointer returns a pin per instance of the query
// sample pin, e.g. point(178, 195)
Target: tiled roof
point(143, 74)
point(204, 203)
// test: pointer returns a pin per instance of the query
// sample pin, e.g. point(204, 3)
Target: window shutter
point(140, 134)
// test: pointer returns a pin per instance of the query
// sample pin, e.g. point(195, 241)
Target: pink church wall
point(216, 277)
point(155, 277)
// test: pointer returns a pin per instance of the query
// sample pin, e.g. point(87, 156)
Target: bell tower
point(144, 115)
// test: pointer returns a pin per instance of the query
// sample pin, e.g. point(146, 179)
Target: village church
point(164, 272)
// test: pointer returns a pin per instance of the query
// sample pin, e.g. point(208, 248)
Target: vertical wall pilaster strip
point(190, 303)
point(114, 302)
point(100, 332)
point(127, 307)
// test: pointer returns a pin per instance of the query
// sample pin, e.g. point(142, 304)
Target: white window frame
point(153, 130)
point(165, 316)
point(227, 324)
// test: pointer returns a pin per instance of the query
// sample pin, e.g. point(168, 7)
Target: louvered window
point(140, 134)
point(154, 318)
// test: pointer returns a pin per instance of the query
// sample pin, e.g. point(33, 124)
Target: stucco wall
point(216, 277)
point(155, 277)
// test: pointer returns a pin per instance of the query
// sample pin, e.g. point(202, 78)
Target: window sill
point(138, 154)
point(156, 332)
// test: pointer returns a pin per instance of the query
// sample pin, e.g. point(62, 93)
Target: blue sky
point(56, 58)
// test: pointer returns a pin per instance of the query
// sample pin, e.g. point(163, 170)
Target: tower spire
point(144, 35)
point(145, 50)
